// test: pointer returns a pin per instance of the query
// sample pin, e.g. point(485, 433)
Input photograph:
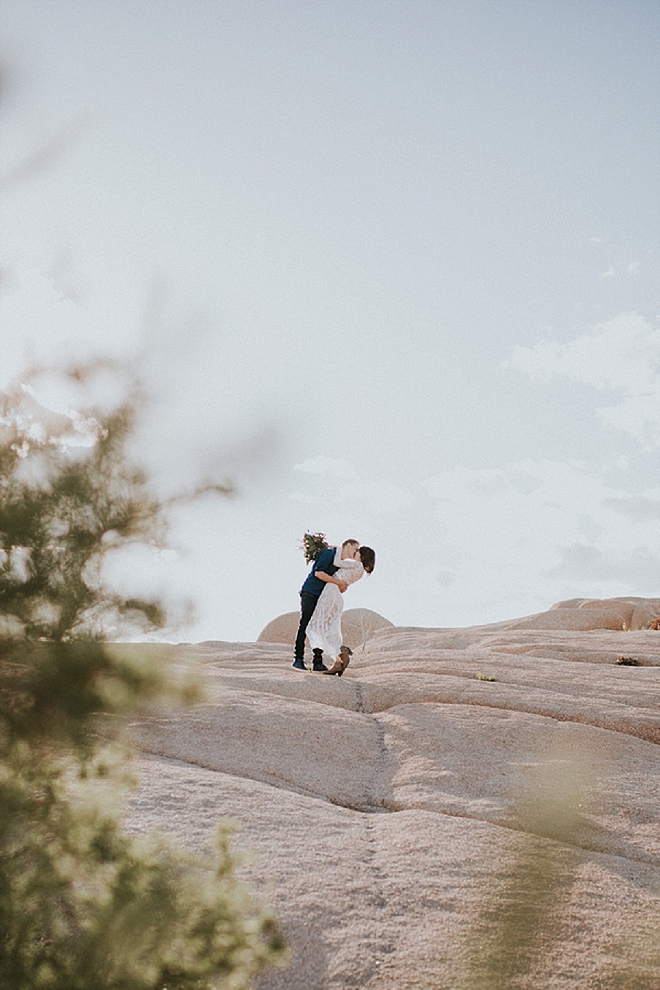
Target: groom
point(322, 573)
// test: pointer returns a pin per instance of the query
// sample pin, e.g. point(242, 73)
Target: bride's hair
point(368, 558)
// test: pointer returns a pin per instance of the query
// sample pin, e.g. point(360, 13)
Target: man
point(322, 572)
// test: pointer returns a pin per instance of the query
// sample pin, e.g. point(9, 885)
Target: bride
point(324, 629)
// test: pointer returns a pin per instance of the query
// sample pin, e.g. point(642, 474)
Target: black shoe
point(318, 660)
point(299, 664)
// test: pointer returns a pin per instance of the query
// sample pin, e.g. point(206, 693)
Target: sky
point(391, 266)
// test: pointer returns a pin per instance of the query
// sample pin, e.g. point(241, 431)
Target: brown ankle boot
point(342, 661)
point(337, 667)
point(345, 655)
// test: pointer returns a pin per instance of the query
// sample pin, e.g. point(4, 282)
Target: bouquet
point(312, 544)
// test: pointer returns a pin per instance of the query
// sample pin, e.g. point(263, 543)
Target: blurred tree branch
point(47, 154)
point(82, 904)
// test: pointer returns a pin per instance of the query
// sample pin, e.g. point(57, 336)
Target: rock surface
point(419, 824)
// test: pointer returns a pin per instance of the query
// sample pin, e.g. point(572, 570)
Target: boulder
point(280, 630)
point(358, 626)
point(622, 609)
point(572, 618)
point(636, 613)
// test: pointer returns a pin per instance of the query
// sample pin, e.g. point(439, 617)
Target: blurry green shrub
point(84, 906)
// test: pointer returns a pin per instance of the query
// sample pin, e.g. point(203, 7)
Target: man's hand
point(330, 579)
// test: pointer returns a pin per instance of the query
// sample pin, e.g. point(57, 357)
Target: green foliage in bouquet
point(312, 545)
point(84, 906)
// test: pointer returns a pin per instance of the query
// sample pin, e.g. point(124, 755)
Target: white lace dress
point(324, 629)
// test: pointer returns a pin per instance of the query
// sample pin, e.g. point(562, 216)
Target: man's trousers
point(308, 603)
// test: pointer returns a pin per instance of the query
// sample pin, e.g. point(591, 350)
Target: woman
point(324, 629)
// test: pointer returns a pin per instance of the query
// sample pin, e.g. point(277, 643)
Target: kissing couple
point(322, 604)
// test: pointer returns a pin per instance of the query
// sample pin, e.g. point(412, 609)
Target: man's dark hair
point(368, 558)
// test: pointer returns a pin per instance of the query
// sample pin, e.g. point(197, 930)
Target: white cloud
point(381, 497)
point(369, 498)
point(610, 273)
point(335, 467)
point(512, 548)
point(621, 356)
point(40, 324)
point(582, 564)
point(641, 507)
